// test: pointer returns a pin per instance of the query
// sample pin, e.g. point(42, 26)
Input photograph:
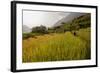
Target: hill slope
point(82, 21)
point(68, 18)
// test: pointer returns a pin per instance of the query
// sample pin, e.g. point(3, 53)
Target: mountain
point(26, 29)
point(68, 18)
point(77, 23)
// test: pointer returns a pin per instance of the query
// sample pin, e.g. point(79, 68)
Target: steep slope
point(68, 18)
point(77, 23)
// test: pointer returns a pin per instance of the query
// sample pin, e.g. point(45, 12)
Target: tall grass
point(57, 47)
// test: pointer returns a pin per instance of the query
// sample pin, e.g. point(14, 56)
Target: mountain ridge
point(68, 18)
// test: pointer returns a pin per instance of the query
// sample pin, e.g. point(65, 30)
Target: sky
point(46, 18)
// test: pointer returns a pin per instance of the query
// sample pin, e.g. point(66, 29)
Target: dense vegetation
point(68, 41)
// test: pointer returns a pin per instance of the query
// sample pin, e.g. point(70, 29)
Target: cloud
point(37, 18)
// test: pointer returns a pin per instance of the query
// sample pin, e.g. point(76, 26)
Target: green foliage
point(50, 30)
point(76, 24)
point(31, 35)
point(28, 35)
point(39, 29)
point(81, 22)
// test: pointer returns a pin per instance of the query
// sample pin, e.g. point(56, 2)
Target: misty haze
point(48, 19)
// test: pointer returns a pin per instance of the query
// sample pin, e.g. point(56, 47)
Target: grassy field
point(57, 47)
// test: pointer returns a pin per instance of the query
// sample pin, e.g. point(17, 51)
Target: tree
point(39, 29)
